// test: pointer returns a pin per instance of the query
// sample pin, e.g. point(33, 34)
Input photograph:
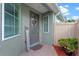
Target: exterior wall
point(47, 38)
point(12, 46)
point(26, 18)
point(64, 30)
point(0, 22)
point(16, 45)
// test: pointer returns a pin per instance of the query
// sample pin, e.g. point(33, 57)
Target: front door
point(34, 29)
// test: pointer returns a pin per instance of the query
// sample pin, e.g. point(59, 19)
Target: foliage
point(70, 20)
point(69, 43)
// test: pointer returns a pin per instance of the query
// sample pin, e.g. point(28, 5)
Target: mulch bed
point(60, 52)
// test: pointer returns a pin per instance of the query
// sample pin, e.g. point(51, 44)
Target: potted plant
point(68, 45)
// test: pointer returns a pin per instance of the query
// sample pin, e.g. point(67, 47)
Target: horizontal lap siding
point(0, 23)
point(16, 45)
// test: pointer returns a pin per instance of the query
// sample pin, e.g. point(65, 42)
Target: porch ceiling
point(53, 7)
point(44, 7)
point(38, 6)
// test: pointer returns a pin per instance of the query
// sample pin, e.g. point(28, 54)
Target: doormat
point(37, 47)
point(59, 51)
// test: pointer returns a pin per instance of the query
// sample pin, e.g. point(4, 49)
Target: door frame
point(30, 29)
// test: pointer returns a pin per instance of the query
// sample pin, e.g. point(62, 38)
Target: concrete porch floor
point(44, 51)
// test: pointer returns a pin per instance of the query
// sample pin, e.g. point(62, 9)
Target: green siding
point(13, 46)
point(47, 38)
point(16, 45)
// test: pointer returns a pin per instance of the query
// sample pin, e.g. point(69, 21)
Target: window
point(45, 23)
point(11, 20)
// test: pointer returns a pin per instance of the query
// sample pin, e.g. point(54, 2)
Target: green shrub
point(71, 44)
